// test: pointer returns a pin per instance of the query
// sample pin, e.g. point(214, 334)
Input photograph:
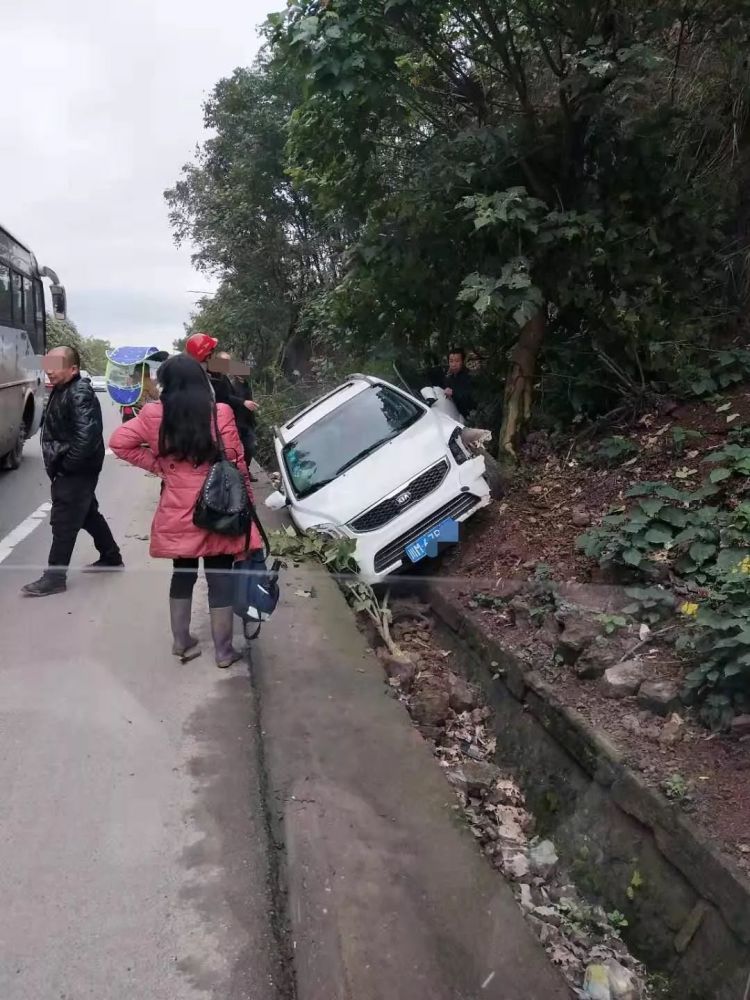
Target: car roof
point(324, 405)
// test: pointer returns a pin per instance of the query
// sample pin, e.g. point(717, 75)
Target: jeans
point(218, 570)
point(74, 506)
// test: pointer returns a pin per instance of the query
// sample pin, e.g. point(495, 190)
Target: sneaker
point(105, 564)
point(45, 586)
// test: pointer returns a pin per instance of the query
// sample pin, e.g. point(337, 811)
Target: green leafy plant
point(617, 920)
point(681, 436)
point(720, 371)
point(635, 884)
point(663, 524)
point(707, 546)
point(611, 623)
point(337, 555)
point(675, 787)
point(650, 604)
point(613, 451)
point(731, 460)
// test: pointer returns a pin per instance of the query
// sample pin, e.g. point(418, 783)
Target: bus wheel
point(13, 459)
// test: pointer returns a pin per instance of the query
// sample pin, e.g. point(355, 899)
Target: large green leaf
point(651, 506)
point(659, 535)
point(701, 552)
point(720, 474)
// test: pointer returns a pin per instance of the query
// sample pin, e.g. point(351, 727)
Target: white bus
point(22, 344)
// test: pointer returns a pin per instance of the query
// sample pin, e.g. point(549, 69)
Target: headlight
point(457, 448)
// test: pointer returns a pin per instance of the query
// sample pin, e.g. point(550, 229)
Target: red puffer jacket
point(173, 534)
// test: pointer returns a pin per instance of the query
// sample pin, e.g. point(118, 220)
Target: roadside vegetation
point(564, 190)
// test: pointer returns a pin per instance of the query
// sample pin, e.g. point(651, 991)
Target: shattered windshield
point(346, 436)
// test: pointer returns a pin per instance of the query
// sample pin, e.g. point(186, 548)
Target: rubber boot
point(185, 645)
point(222, 630)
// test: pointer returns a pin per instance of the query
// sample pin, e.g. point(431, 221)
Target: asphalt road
point(133, 849)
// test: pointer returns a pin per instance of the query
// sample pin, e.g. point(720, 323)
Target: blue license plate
point(427, 544)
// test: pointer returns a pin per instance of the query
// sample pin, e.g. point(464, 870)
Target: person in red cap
point(202, 346)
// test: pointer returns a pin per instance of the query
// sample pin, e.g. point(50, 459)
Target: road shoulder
point(388, 896)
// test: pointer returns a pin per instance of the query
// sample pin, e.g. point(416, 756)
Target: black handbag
point(223, 505)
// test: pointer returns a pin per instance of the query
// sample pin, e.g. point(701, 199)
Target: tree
point(537, 179)
point(249, 223)
point(92, 350)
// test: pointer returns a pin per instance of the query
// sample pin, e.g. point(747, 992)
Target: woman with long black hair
point(174, 439)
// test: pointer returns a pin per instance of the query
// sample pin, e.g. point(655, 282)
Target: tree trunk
point(519, 385)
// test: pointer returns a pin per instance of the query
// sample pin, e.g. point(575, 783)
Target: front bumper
point(383, 552)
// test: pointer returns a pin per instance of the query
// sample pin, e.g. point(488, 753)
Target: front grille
point(387, 510)
point(459, 506)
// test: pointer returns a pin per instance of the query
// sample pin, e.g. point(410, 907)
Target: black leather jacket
point(72, 436)
point(463, 391)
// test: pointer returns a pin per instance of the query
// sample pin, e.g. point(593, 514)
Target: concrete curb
point(389, 898)
point(714, 879)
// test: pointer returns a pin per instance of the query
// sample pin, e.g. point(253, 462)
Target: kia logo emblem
point(403, 499)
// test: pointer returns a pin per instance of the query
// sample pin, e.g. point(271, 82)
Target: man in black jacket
point(458, 384)
point(73, 453)
point(237, 393)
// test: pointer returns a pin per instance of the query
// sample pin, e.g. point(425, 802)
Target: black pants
point(218, 570)
point(74, 506)
point(249, 441)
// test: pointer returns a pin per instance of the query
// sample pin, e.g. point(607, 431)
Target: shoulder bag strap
point(219, 440)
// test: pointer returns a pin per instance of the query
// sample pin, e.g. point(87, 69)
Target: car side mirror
point(276, 500)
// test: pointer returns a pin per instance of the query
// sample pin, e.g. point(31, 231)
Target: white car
point(371, 462)
point(99, 383)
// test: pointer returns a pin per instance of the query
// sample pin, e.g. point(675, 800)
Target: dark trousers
point(74, 506)
point(248, 445)
point(218, 570)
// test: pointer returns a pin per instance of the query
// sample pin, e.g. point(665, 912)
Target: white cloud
point(106, 108)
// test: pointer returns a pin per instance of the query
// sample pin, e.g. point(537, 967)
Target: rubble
point(431, 703)
point(576, 638)
point(543, 857)
point(624, 679)
point(741, 725)
point(463, 698)
point(577, 936)
point(659, 697)
point(596, 659)
point(672, 731)
point(400, 670)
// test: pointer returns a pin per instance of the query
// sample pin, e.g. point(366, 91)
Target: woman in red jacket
point(174, 439)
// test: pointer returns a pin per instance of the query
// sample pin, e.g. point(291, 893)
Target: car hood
point(378, 475)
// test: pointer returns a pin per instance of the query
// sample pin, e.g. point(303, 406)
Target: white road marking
point(23, 530)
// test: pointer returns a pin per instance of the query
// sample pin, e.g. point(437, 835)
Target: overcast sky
point(102, 106)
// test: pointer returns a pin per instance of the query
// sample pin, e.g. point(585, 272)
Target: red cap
point(201, 345)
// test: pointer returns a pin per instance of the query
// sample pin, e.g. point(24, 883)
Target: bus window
point(17, 298)
point(39, 307)
point(28, 303)
point(30, 299)
point(4, 293)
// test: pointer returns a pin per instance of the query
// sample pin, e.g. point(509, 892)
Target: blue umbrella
point(121, 369)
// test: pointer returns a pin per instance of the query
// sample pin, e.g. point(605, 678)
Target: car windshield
point(348, 434)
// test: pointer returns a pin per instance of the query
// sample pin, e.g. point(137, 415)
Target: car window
point(348, 434)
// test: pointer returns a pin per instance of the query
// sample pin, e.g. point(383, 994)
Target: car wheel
point(13, 459)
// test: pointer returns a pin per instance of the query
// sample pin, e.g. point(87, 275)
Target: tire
point(12, 460)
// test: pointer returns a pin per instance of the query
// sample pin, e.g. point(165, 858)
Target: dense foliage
point(561, 187)
point(698, 541)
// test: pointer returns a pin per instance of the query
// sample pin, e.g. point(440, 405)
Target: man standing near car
point(73, 453)
point(458, 384)
point(238, 393)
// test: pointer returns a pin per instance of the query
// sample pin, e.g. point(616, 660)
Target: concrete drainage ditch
point(628, 901)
